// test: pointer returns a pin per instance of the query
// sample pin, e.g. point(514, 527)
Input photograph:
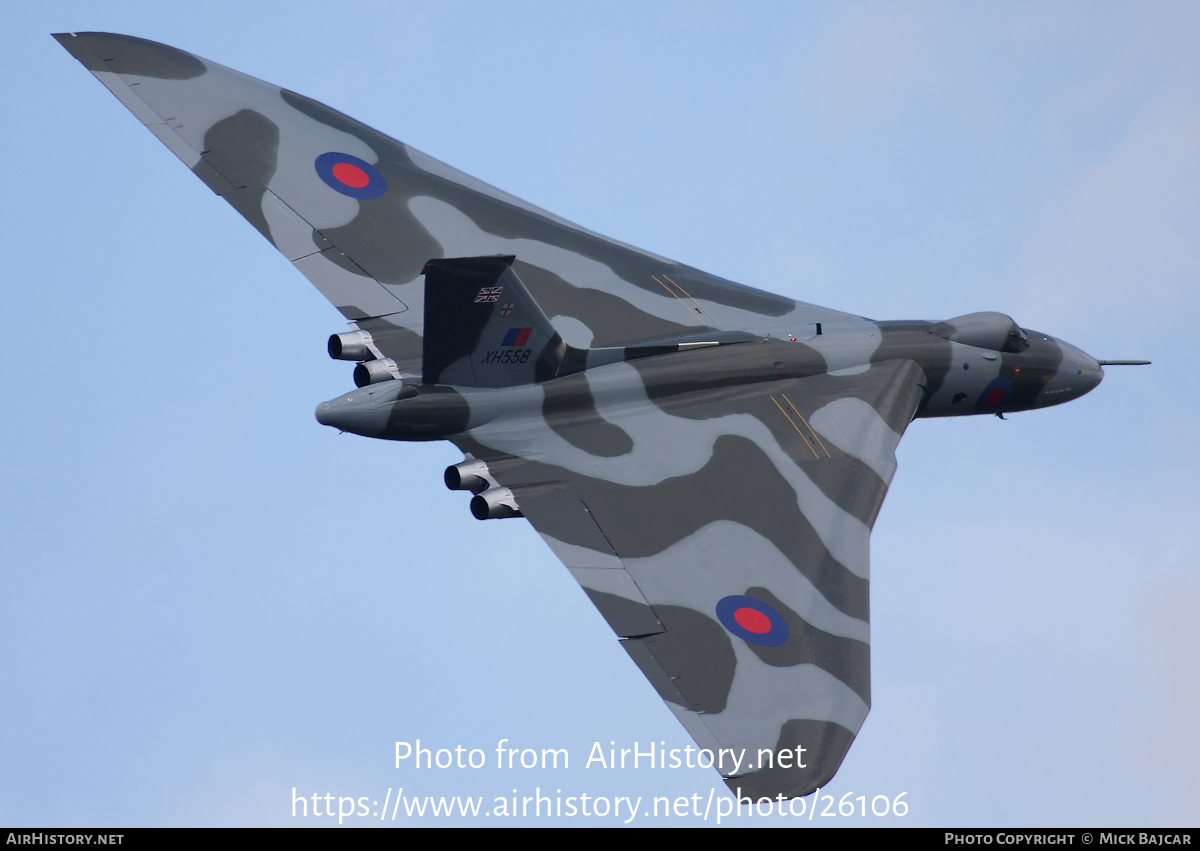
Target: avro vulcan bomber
point(705, 458)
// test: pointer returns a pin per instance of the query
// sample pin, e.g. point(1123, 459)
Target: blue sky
point(207, 599)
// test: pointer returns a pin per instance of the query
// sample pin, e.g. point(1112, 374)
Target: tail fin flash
point(483, 328)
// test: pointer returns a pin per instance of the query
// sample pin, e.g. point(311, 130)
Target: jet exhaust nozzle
point(469, 476)
point(375, 371)
point(495, 504)
point(352, 345)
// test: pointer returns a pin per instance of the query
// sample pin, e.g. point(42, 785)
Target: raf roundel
point(350, 176)
point(997, 392)
point(753, 621)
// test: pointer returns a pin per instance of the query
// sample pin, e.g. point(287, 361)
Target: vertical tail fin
point(483, 328)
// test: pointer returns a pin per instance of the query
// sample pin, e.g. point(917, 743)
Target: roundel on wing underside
point(350, 176)
point(753, 621)
point(998, 391)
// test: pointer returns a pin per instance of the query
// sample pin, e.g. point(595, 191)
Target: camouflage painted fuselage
point(706, 459)
point(959, 379)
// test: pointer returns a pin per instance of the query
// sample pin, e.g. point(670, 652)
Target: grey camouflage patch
point(243, 149)
point(125, 54)
point(825, 745)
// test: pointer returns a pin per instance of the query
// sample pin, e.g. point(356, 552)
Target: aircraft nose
point(1088, 371)
point(1078, 373)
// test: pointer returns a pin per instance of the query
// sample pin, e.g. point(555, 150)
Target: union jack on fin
point(489, 294)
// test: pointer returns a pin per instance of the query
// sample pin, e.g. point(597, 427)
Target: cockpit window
point(1016, 341)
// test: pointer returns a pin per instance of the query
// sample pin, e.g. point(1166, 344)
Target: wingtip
point(75, 46)
point(82, 49)
point(132, 55)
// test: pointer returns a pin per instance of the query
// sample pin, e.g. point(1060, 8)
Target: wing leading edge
point(724, 537)
point(359, 213)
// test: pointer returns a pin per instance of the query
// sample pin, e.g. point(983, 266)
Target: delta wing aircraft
point(705, 458)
